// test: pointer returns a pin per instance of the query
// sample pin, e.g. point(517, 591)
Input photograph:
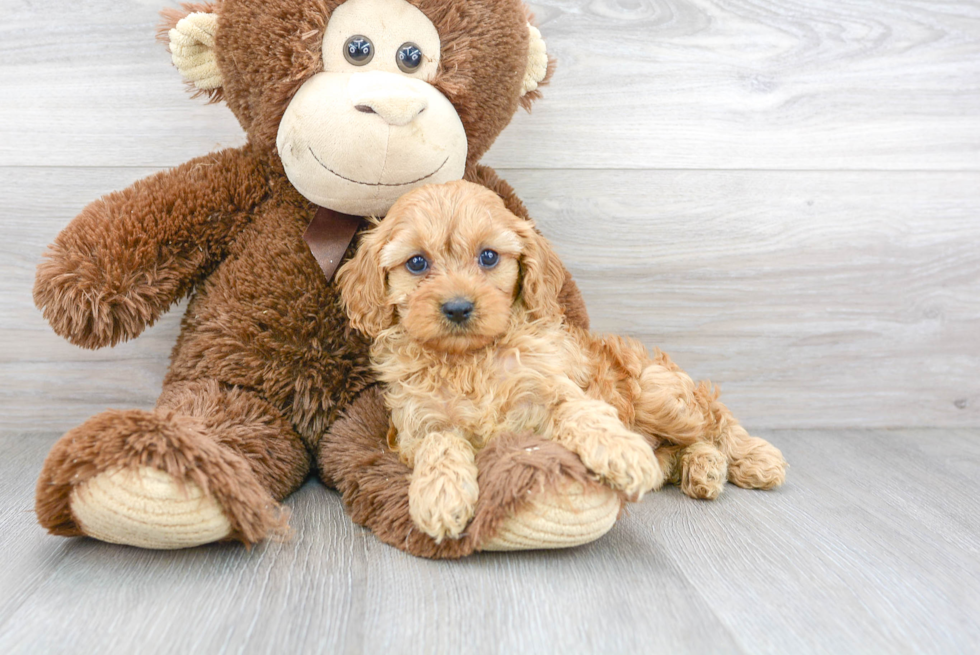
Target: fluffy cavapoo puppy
point(461, 299)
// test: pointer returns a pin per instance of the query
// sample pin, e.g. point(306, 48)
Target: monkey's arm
point(132, 254)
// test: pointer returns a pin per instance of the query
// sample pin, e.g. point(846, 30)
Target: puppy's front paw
point(442, 502)
point(625, 462)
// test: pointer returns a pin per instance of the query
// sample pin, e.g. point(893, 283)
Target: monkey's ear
point(539, 68)
point(537, 61)
point(192, 49)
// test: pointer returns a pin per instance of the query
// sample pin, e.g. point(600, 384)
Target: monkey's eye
point(417, 265)
point(409, 57)
point(489, 258)
point(358, 50)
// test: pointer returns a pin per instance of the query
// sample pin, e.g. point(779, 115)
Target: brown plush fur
point(263, 324)
point(514, 366)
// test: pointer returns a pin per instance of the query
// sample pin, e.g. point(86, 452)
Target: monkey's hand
point(129, 256)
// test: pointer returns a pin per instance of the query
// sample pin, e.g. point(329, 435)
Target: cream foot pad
point(147, 508)
point(565, 519)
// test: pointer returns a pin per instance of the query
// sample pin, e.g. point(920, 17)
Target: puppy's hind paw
point(757, 464)
point(703, 471)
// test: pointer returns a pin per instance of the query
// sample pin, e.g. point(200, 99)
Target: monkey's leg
point(714, 446)
point(210, 463)
point(534, 493)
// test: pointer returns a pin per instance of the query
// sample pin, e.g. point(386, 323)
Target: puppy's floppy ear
point(362, 285)
point(542, 275)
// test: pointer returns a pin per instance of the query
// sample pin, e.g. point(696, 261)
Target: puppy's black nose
point(458, 310)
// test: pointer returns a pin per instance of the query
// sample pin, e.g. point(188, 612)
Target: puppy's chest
point(509, 390)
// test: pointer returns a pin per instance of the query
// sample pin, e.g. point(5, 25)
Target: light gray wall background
point(784, 195)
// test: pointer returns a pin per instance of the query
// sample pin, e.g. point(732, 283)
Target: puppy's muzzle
point(457, 310)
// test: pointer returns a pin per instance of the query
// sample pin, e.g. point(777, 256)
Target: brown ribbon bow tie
point(329, 235)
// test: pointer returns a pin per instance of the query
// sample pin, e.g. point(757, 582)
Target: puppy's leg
point(443, 490)
point(592, 429)
point(699, 469)
point(671, 406)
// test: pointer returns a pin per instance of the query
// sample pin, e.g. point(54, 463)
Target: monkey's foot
point(148, 508)
point(570, 515)
point(155, 480)
point(534, 493)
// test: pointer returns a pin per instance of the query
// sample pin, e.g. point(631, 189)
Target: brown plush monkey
point(347, 105)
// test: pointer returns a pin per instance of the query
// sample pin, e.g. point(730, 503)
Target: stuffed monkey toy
point(347, 105)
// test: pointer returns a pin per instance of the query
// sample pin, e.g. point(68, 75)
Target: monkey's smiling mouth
point(424, 177)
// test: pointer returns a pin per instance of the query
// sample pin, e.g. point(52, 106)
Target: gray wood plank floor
point(873, 546)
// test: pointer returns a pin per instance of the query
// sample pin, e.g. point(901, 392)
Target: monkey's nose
point(458, 310)
point(395, 110)
point(392, 97)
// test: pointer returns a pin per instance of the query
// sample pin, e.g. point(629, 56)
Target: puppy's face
point(448, 262)
point(453, 266)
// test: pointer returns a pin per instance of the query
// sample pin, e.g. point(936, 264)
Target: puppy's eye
point(489, 258)
point(417, 265)
point(358, 50)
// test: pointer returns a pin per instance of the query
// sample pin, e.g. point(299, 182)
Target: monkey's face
point(363, 100)
point(371, 126)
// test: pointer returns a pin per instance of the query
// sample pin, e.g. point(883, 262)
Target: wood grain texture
point(83, 596)
point(757, 84)
point(870, 547)
point(813, 298)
